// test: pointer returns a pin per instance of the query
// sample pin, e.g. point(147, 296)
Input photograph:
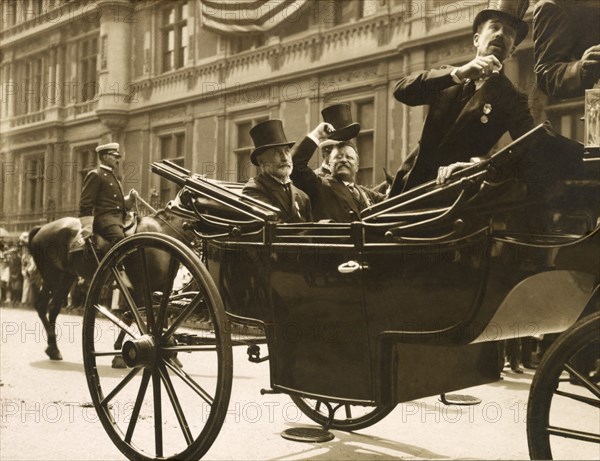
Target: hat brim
point(346, 133)
point(259, 150)
point(106, 152)
point(521, 26)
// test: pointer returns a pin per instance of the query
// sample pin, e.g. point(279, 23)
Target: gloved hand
point(87, 223)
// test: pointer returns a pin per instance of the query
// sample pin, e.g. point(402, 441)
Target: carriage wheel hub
point(140, 352)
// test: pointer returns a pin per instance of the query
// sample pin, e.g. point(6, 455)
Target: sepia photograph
point(299, 230)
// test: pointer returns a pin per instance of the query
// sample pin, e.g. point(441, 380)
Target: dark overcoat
point(562, 31)
point(293, 206)
point(330, 198)
point(102, 197)
point(462, 122)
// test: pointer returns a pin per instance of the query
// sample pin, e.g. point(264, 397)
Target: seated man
point(471, 106)
point(334, 197)
point(273, 184)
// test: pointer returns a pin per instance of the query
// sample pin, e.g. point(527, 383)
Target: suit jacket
point(102, 197)
point(562, 31)
point(294, 207)
point(330, 198)
point(456, 127)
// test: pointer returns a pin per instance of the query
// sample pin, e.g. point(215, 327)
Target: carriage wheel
point(347, 417)
point(171, 401)
point(564, 400)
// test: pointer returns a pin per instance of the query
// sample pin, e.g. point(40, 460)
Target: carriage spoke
point(146, 289)
point(158, 438)
point(579, 398)
point(162, 311)
point(138, 405)
point(590, 386)
point(190, 382)
point(573, 434)
point(198, 348)
point(184, 315)
point(106, 354)
point(187, 434)
point(114, 319)
point(120, 386)
point(130, 302)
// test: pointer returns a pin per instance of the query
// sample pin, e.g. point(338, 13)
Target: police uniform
point(102, 197)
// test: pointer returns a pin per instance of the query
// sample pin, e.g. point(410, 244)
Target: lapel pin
point(487, 108)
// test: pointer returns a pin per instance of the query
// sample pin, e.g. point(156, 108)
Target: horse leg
point(58, 300)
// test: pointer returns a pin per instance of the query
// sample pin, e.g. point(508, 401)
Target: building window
point(88, 72)
point(243, 148)
point(10, 8)
point(245, 43)
point(172, 147)
point(31, 97)
point(174, 33)
point(34, 184)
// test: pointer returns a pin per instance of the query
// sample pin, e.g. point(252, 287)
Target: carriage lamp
point(592, 119)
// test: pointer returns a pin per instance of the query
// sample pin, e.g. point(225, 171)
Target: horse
point(51, 247)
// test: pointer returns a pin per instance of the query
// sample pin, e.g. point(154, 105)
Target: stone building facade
point(148, 75)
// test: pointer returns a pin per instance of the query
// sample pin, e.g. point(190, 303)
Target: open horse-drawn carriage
point(408, 302)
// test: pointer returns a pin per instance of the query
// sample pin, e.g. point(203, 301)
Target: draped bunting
point(242, 16)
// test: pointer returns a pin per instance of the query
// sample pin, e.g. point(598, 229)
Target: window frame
point(167, 189)
point(244, 151)
point(180, 51)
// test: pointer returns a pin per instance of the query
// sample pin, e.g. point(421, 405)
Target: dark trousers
point(110, 227)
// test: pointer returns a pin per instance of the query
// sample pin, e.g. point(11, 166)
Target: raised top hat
point(340, 117)
point(512, 10)
point(110, 148)
point(265, 135)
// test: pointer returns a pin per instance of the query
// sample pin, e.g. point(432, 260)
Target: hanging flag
point(241, 16)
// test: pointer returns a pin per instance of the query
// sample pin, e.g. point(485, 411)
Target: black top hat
point(340, 117)
point(265, 135)
point(512, 10)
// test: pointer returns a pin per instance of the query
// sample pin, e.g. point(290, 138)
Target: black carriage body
point(411, 301)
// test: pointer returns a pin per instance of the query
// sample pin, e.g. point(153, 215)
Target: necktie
point(287, 188)
point(355, 193)
point(468, 91)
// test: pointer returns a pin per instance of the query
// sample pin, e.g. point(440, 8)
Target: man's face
point(343, 162)
point(276, 161)
point(110, 160)
point(495, 36)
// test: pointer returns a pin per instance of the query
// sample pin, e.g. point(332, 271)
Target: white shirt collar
point(106, 167)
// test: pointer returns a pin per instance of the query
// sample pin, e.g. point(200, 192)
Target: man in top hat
point(337, 115)
point(336, 196)
point(566, 37)
point(273, 184)
point(471, 106)
point(102, 205)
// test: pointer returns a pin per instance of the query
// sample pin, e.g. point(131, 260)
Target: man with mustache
point(471, 106)
point(334, 197)
point(273, 184)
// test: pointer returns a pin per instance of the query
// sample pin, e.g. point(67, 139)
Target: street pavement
point(46, 413)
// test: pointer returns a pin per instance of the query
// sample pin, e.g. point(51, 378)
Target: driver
point(102, 205)
point(471, 106)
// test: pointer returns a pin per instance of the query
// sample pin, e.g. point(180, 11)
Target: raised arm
point(558, 73)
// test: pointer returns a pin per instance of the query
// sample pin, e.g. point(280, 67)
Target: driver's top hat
point(265, 135)
point(511, 10)
point(340, 117)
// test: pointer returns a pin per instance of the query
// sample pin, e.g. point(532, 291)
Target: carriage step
point(307, 434)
